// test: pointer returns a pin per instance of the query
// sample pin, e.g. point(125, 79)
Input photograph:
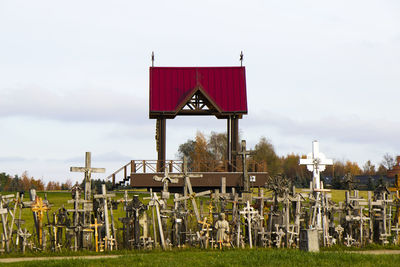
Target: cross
point(244, 153)
point(395, 172)
point(39, 208)
point(96, 235)
point(168, 178)
point(25, 235)
point(241, 58)
point(249, 214)
point(88, 170)
point(156, 202)
point(192, 196)
point(186, 181)
point(3, 213)
point(105, 196)
point(316, 162)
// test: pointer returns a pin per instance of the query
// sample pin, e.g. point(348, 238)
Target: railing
point(176, 166)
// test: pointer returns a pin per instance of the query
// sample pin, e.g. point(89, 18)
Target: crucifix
point(316, 163)
point(40, 208)
point(168, 178)
point(88, 170)
point(105, 197)
point(244, 153)
point(249, 214)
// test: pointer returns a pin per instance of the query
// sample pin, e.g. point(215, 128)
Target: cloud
point(84, 105)
point(351, 129)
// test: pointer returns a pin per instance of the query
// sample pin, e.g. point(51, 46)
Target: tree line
point(24, 183)
point(213, 148)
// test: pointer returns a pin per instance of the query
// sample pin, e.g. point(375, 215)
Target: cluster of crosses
point(275, 216)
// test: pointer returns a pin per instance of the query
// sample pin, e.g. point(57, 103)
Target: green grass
point(246, 257)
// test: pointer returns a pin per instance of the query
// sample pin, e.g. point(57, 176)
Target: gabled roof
point(224, 88)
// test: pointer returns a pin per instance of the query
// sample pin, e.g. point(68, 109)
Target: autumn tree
point(369, 168)
point(264, 151)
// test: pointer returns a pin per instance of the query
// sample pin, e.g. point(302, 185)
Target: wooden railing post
point(133, 166)
point(144, 166)
point(113, 179)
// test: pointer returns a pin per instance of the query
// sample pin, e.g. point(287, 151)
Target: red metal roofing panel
point(226, 86)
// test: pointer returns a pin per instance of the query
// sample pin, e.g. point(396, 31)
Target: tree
point(369, 168)
point(388, 161)
point(352, 168)
point(217, 146)
point(264, 151)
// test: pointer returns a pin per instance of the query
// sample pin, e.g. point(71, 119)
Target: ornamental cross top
point(316, 161)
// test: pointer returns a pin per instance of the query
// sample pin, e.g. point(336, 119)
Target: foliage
point(25, 183)
point(264, 151)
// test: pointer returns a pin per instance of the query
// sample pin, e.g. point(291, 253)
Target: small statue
point(222, 227)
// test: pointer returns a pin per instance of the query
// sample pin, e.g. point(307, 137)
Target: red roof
point(170, 87)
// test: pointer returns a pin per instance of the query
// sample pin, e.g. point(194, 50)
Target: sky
point(74, 77)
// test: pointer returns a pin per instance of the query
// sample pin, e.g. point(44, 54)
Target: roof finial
point(152, 59)
point(241, 58)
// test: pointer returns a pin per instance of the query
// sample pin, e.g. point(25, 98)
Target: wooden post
point(161, 134)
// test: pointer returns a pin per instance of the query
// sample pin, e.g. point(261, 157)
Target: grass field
point(246, 257)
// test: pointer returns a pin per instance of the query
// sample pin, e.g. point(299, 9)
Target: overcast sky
point(74, 77)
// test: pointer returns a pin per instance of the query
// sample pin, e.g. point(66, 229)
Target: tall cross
point(395, 172)
point(249, 213)
point(40, 208)
point(96, 235)
point(105, 197)
point(244, 153)
point(316, 163)
point(88, 170)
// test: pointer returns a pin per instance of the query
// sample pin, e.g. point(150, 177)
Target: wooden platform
point(210, 180)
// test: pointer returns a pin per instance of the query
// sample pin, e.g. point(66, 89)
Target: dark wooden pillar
point(228, 144)
point(160, 137)
point(234, 140)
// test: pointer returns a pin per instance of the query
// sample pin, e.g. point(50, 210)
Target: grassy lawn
point(246, 257)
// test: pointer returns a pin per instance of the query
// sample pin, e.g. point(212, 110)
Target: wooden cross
point(156, 202)
point(105, 196)
point(88, 170)
point(40, 208)
point(3, 213)
point(76, 201)
point(244, 153)
point(24, 234)
point(395, 172)
point(168, 178)
point(96, 235)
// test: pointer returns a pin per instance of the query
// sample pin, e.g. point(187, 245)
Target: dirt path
point(9, 260)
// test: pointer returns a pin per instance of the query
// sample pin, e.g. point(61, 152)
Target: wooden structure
point(140, 173)
point(198, 91)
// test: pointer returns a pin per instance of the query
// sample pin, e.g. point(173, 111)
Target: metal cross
point(40, 208)
point(96, 235)
point(316, 162)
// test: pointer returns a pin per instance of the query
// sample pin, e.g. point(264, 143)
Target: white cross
point(316, 162)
